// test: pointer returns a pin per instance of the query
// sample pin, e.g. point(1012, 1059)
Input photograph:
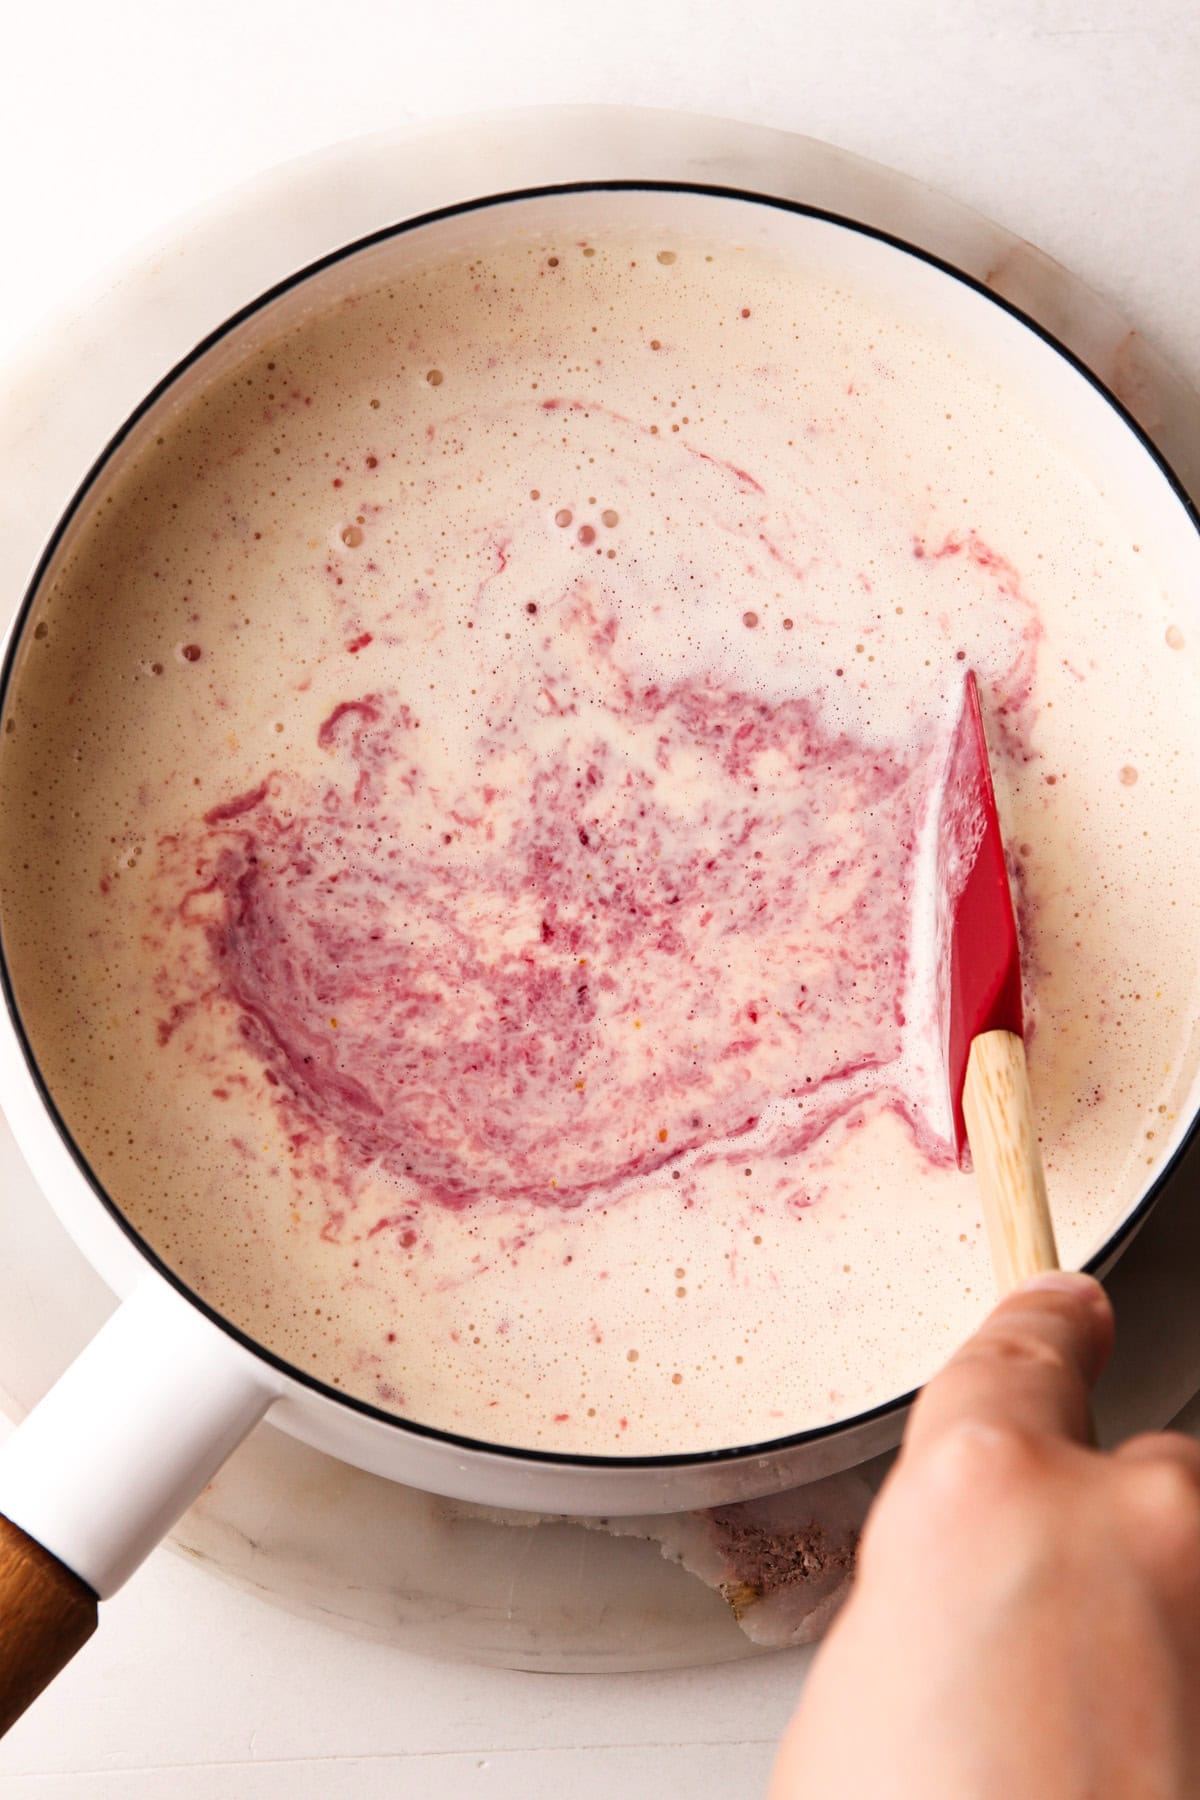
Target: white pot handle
point(102, 1467)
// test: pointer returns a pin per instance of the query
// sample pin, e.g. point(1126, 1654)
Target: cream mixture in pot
point(464, 802)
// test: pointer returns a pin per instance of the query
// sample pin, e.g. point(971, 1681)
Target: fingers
point(1159, 1477)
point(1029, 1367)
point(1163, 1447)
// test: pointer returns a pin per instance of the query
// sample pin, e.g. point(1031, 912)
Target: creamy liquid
point(462, 812)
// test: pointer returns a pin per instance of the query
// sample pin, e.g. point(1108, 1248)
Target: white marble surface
point(1073, 124)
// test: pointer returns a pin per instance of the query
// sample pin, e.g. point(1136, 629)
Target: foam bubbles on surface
point(473, 899)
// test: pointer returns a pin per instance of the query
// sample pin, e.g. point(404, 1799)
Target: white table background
point(1073, 122)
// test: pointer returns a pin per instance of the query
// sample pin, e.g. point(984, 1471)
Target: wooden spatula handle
point(46, 1615)
point(1008, 1162)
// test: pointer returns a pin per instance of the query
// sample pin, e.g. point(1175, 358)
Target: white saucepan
point(136, 1427)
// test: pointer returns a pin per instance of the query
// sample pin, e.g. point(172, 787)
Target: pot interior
point(467, 764)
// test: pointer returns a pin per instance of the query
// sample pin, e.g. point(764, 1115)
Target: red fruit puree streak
point(697, 904)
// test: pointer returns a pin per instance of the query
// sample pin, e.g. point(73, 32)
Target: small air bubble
point(352, 537)
point(435, 378)
point(563, 516)
point(666, 256)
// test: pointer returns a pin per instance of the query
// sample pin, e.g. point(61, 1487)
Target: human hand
point(1025, 1621)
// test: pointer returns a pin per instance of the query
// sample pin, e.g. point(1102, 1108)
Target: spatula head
point(979, 957)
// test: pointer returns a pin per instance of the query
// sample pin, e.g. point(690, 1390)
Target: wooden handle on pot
point(1008, 1162)
point(46, 1615)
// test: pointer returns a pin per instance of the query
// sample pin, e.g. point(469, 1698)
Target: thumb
point(1030, 1366)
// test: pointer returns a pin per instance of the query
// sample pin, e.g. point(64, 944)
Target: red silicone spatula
point(979, 992)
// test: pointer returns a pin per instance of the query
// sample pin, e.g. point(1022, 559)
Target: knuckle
point(1166, 1498)
point(1017, 1346)
point(975, 1462)
point(957, 1490)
